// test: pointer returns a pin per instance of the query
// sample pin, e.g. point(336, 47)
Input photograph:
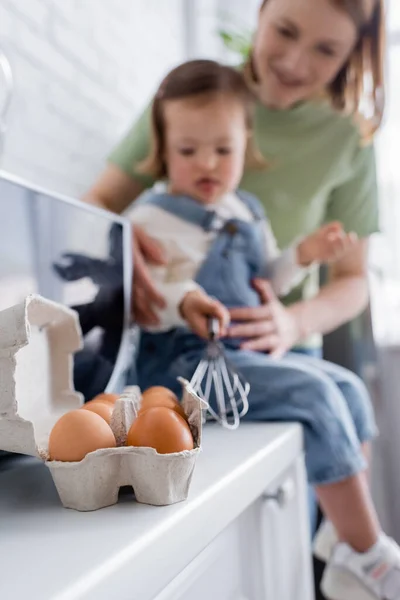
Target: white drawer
point(214, 573)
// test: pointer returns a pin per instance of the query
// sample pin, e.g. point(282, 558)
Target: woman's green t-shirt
point(319, 172)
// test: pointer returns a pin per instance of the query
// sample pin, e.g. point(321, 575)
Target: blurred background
point(84, 70)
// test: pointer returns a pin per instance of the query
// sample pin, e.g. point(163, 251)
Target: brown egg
point(110, 398)
point(90, 402)
point(103, 409)
point(77, 433)
point(159, 389)
point(161, 396)
point(160, 428)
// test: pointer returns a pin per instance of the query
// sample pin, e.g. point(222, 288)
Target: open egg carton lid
point(37, 341)
point(38, 338)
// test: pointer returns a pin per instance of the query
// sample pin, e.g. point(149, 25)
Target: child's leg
point(292, 390)
point(358, 401)
point(357, 398)
point(349, 506)
point(287, 391)
point(354, 392)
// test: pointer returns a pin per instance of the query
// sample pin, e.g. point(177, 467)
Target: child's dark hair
point(200, 78)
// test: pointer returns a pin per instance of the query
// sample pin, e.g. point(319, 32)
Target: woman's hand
point(144, 293)
point(270, 327)
point(197, 308)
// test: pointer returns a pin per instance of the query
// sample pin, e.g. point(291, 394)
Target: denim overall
point(331, 403)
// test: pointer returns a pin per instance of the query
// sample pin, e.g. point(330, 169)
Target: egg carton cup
point(38, 339)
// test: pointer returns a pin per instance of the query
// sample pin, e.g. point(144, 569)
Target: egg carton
point(38, 339)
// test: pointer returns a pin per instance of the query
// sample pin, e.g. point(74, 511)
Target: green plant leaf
point(237, 42)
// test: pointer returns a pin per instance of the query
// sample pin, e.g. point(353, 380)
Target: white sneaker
point(324, 541)
point(373, 575)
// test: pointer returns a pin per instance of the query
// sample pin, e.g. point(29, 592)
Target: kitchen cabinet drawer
point(215, 573)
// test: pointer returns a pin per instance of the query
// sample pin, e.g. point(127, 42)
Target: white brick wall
point(83, 71)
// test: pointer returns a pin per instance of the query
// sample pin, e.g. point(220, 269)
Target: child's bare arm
point(327, 244)
point(286, 269)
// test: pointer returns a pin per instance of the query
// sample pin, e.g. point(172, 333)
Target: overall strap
point(185, 208)
point(253, 204)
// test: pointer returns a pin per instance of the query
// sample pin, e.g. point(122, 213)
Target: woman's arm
point(121, 182)
point(340, 300)
point(354, 204)
point(276, 328)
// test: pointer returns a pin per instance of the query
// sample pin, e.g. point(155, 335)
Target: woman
point(305, 52)
point(308, 66)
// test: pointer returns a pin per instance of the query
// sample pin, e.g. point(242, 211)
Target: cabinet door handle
point(283, 495)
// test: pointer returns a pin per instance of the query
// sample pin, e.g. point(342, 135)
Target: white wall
point(83, 71)
point(232, 15)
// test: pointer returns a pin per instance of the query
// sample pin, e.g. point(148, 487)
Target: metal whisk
point(215, 377)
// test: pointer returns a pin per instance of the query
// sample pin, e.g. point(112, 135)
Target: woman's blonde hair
point(360, 82)
point(202, 79)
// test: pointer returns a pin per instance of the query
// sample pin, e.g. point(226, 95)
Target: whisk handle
point(213, 328)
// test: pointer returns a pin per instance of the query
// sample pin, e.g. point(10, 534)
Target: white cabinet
point(216, 572)
point(242, 534)
point(284, 533)
point(262, 555)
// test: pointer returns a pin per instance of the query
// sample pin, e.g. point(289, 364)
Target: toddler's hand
point(197, 308)
point(326, 245)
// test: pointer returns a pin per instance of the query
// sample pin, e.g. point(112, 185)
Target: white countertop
point(51, 553)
